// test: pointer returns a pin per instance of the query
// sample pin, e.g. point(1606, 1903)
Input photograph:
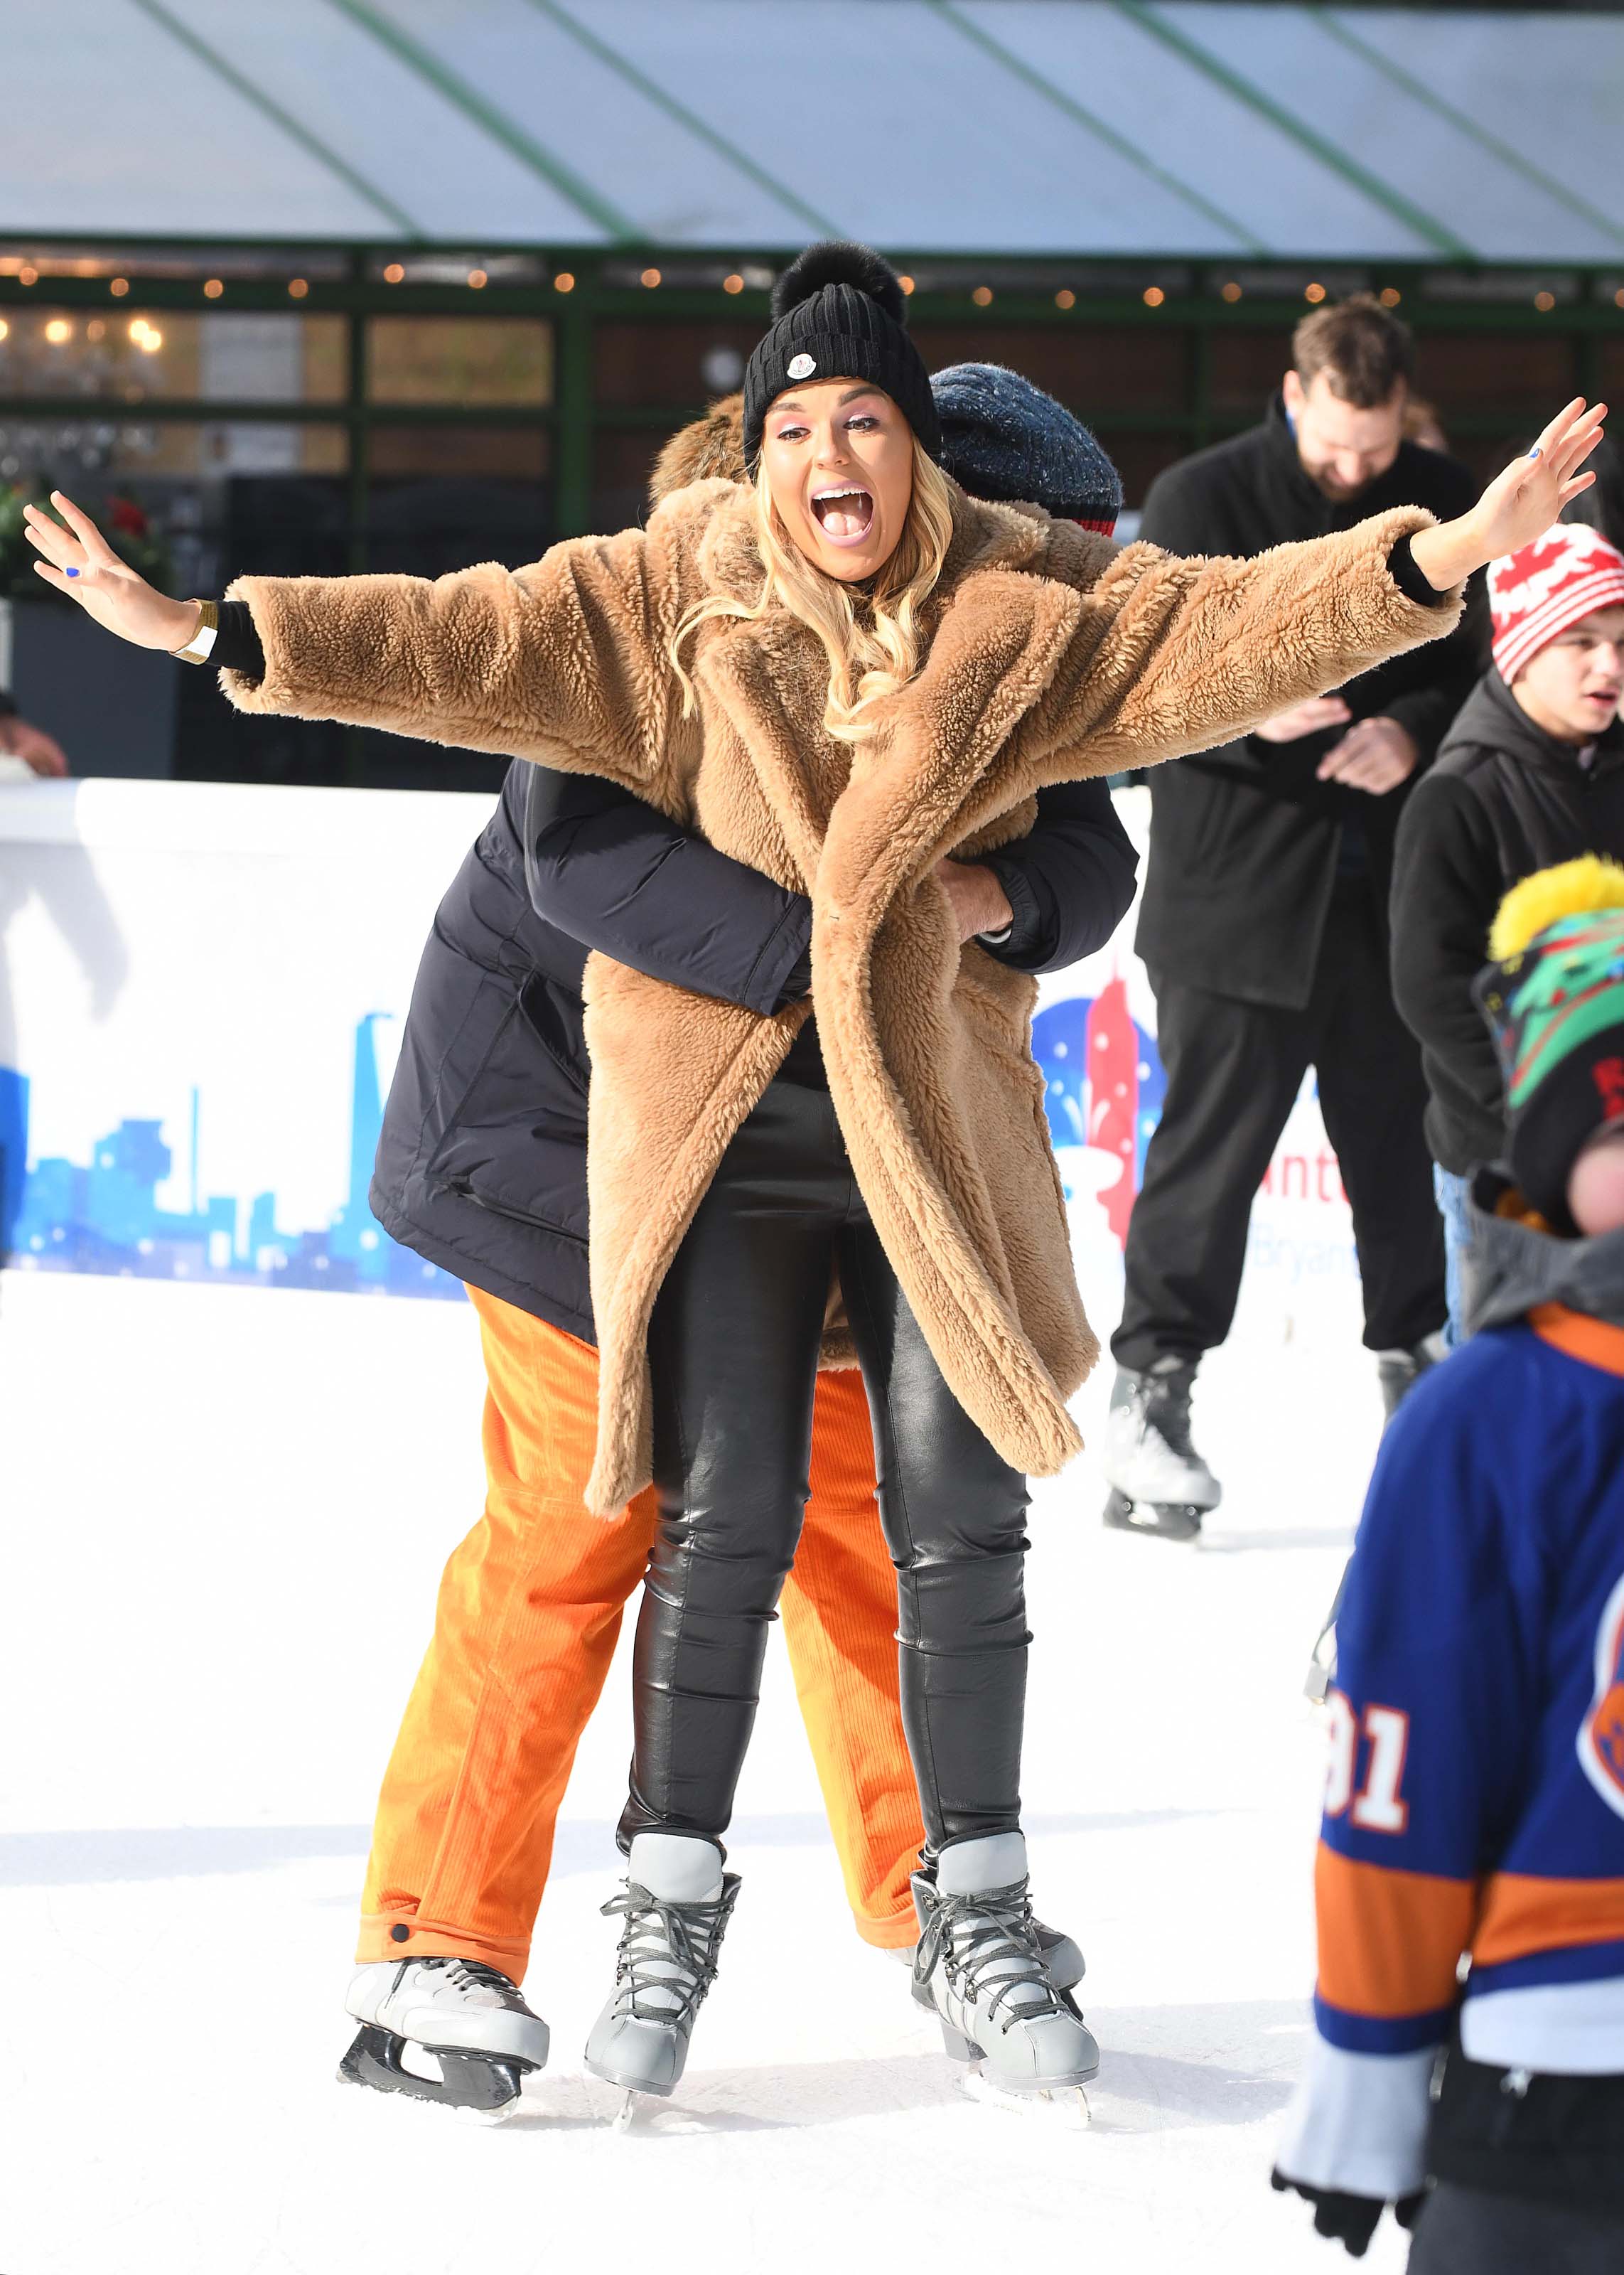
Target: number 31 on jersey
point(1378, 1806)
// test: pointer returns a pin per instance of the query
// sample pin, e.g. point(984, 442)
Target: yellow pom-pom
point(1573, 889)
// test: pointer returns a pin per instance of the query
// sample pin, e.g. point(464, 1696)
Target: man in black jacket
point(1531, 773)
point(1263, 926)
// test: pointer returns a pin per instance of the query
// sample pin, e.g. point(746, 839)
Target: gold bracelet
point(201, 645)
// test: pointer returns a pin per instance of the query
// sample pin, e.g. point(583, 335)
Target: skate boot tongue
point(973, 1868)
point(675, 1868)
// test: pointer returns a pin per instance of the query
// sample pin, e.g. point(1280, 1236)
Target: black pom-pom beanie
point(839, 313)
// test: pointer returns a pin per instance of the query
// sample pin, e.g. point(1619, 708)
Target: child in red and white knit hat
point(1537, 595)
point(1530, 774)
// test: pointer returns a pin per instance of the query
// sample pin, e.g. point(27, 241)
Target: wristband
point(201, 645)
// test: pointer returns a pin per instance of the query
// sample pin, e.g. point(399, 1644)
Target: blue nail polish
point(1534, 453)
point(73, 572)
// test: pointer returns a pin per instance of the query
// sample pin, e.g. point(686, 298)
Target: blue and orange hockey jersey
point(1471, 1855)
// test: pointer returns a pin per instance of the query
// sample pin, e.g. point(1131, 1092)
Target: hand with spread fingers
point(78, 560)
point(1519, 504)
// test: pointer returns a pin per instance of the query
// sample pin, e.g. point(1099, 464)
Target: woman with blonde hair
point(839, 673)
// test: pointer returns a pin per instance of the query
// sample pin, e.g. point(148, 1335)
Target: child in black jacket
point(1531, 773)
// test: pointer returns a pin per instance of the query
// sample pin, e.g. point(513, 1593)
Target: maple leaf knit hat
point(1538, 592)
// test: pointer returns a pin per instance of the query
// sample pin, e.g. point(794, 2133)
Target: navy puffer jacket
point(482, 1165)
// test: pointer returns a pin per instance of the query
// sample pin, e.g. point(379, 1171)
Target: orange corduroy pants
point(528, 1612)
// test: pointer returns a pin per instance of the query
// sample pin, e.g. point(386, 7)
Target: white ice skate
point(1159, 1483)
point(676, 1907)
point(479, 2037)
point(981, 1965)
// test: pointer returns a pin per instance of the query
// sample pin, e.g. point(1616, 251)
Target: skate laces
point(681, 1940)
point(474, 1975)
point(988, 1943)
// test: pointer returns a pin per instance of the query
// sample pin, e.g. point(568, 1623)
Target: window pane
point(471, 359)
point(1612, 371)
point(1247, 368)
point(621, 464)
point(40, 455)
point(498, 453)
point(144, 355)
point(678, 363)
point(441, 497)
point(1139, 458)
point(1092, 369)
point(1521, 374)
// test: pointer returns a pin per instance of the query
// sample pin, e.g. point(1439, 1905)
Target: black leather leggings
point(733, 1348)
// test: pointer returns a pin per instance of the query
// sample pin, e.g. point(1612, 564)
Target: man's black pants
point(1234, 1070)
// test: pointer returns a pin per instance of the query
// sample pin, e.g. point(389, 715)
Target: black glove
point(1345, 2219)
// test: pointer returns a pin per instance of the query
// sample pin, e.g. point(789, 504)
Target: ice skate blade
point(1159, 1520)
point(1065, 2105)
point(632, 2085)
point(482, 2088)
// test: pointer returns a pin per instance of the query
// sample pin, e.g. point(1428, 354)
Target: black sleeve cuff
point(1027, 926)
point(786, 958)
point(1403, 570)
point(237, 644)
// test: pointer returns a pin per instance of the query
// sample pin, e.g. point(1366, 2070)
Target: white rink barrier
point(202, 987)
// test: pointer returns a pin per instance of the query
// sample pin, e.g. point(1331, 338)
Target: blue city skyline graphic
point(102, 1215)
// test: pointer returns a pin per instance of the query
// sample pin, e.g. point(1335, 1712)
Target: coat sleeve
point(1447, 885)
point(566, 661)
point(619, 875)
point(1069, 883)
point(1426, 713)
point(1172, 654)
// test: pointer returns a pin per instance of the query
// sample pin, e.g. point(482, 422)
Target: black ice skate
point(1159, 1483)
point(450, 2031)
point(1399, 1371)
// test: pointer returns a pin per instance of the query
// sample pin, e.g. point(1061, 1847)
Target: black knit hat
point(1001, 437)
point(839, 313)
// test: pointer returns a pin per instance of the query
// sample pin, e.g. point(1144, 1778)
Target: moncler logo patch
point(801, 367)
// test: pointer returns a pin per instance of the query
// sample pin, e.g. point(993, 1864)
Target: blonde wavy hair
point(873, 654)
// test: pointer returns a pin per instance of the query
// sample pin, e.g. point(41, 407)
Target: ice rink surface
point(225, 1513)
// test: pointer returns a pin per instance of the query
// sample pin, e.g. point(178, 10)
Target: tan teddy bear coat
point(1053, 655)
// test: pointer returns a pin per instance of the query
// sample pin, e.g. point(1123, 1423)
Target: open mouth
point(845, 513)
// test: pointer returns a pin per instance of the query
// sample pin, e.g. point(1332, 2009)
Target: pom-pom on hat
point(1003, 438)
point(1538, 592)
point(839, 313)
point(1554, 1001)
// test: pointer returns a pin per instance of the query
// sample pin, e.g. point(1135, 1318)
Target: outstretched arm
point(565, 662)
point(1175, 655)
